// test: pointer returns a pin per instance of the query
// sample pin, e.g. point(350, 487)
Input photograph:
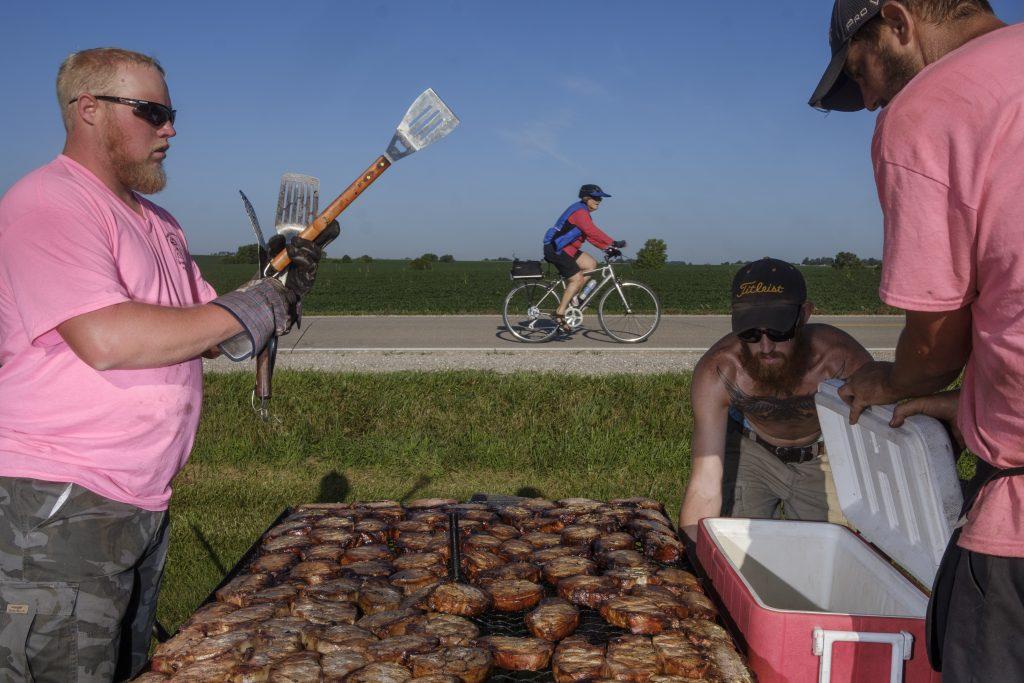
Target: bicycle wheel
point(529, 312)
point(629, 313)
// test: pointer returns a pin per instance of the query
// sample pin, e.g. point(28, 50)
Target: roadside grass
point(391, 287)
point(410, 435)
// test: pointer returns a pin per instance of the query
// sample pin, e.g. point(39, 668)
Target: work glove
point(619, 244)
point(305, 256)
point(612, 252)
point(265, 307)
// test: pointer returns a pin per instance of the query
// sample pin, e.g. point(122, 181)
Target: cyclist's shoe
point(575, 301)
point(563, 326)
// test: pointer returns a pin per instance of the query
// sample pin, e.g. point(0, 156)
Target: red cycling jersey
point(591, 233)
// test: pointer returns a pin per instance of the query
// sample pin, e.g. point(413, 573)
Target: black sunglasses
point(753, 335)
point(153, 113)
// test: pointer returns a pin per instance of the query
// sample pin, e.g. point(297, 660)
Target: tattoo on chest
point(794, 409)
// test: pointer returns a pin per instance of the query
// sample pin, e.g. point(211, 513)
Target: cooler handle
point(902, 644)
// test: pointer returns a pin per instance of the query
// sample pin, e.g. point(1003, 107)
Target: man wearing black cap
point(755, 426)
point(563, 244)
point(947, 155)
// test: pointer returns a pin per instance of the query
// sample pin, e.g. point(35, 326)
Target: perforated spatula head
point(297, 204)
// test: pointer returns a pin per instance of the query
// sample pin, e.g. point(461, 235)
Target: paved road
point(388, 343)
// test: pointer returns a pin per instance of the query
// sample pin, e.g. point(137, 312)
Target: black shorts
point(565, 264)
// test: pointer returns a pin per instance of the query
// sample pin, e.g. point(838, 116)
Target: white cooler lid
point(898, 487)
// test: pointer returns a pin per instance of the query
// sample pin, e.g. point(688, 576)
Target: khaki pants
point(79, 577)
point(758, 485)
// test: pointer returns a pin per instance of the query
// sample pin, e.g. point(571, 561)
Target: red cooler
point(815, 601)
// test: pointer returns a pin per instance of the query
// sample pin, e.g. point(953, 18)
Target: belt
point(787, 454)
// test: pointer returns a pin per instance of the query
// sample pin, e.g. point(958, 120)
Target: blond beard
point(145, 177)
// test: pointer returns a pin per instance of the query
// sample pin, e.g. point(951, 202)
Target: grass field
point(410, 435)
point(390, 287)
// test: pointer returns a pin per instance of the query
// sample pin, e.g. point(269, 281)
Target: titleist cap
point(767, 294)
point(837, 91)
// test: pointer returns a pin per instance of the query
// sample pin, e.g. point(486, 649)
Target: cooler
point(819, 601)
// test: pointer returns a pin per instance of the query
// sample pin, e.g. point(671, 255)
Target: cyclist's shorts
point(566, 265)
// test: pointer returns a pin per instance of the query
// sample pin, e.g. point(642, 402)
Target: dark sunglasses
point(753, 335)
point(153, 113)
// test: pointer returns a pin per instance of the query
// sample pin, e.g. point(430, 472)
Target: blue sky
point(692, 115)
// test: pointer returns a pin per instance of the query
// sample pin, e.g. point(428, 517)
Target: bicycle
point(628, 311)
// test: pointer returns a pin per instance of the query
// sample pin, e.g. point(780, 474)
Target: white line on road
point(531, 349)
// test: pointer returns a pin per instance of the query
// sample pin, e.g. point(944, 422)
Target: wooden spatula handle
point(319, 224)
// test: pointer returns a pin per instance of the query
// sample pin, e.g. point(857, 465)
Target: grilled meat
point(339, 663)
point(381, 672)
point(588, 591)
point(514, 595)
point(564, 567)
point(344, 637)
point(400, 648)
point(663, 547)
point(553, 620)
point(518, 654)
point(630, 658)
point(460, 599)
point(470, 664)
point(375, 596)
point(637, 614)
point(678, 656)
point(324, 612)
point(389, 623)
point(576, 659)
point(449, 629)
point(619, 540)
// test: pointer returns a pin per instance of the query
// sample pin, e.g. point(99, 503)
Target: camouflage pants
point(79, 577)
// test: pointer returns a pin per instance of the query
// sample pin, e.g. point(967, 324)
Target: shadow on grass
point(208, 547)
point(417, 485)
point(530, 492)
point(334, 488)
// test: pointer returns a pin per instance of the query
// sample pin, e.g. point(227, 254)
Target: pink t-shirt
point(948, 154)
point(68, 246)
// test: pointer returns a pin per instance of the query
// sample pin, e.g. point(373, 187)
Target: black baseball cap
point(767, 294)
point(837, 91)
point(592, 191)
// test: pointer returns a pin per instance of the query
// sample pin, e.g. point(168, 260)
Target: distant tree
point(346, 259)
point(429, 257)
point(365, 259)
point(420, 263)
point(872, 262)
point(503, 258)
point(652, 255)
point(847, 259)
point(820, 261)
point(247, 253)
point(447, 258)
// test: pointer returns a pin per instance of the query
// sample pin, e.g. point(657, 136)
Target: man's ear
point(805, 311)
point(898, 20)
point(86, 108)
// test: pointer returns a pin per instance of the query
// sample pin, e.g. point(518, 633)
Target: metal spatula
point(297, 203)
point(428, 120)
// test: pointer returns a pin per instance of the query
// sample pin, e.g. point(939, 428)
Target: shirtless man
point(756, 434)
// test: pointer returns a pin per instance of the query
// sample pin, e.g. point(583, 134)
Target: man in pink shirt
point(103, 319)
point(947, 155)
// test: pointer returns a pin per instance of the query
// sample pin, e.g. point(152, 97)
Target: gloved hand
point(612, 252)
point(305, 256)
point(265, 307)
point(619, 244)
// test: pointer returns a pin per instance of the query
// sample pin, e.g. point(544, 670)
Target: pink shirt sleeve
point(59, 266)
point(581, 219)
point(928, 260)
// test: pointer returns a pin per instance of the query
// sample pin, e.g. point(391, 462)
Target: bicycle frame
point(606, 272)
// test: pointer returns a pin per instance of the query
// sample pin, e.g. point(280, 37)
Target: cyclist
point(563, 242)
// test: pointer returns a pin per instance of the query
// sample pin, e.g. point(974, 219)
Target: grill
point(591, 626)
